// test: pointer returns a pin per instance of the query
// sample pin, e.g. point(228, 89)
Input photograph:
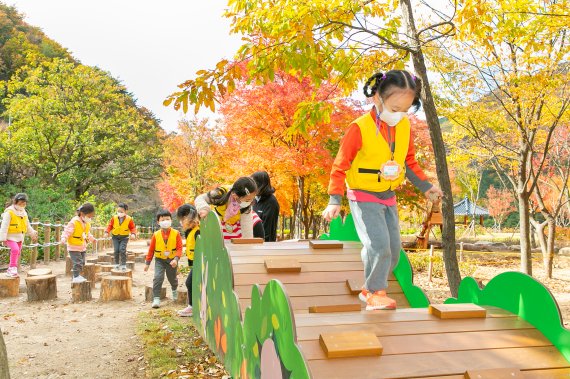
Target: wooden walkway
point(415, 343)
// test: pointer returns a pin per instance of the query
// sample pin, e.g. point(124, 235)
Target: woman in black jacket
point(266, 205)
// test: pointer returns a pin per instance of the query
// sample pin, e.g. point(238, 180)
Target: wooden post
point(57, 239)
point(131, 265)
point(460, 251)
point(430, 265)
point(43, 287)
point(182, 296)
point(34, 251)
point(81, 291)
point(96, 247)
point(47, 247)
point(89, 271)
point(68, 265)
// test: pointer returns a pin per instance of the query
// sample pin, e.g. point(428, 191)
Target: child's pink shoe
point(12, 272)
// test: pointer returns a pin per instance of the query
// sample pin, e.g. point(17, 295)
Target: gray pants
point(160, 266)
point(378, 228)
point(78, 261)
point(120, 247)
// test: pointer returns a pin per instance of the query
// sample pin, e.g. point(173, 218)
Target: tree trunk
point(524, 227)
point(4, 370)
point(448, 233)
point(548, 258)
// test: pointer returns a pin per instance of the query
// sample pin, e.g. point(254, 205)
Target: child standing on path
point(76, 234)
point(166, 248)
point(188, 217)
point(375, 156)
point(233, 205)
point(120, 226)
point(15, 224)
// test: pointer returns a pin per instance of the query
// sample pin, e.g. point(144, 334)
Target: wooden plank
point(274, 265)
point(411, 314)
point(557, 373)
point(350, 344)
point(334, 308)
point(304, 277)
point(436, 364)
point(259, 268)
point(408, 327)
point(310, 289)
point(246, 241)
point(355, 287)
point(324, 244)
point(447, 311)
point(495, 373)
point(275, 246)
point(443, 342)
point(303, 258)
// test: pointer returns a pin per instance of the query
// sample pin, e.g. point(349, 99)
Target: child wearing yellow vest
point(232, 204)
point(76, 234)
point(15, 224)
point(375, 156)
point(120, 227)
point(188, 217)
point(166, 248)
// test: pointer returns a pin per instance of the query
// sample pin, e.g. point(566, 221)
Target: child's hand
point(146, 268)
point(174, 263)
point(434, 194)
point(35, 237)
point(106, 234)
point(133, 236)
point(332, 211)
point(203, 212)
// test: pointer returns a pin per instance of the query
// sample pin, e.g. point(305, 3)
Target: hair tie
point(246, 191)
point(414, 77)
point(383, 77)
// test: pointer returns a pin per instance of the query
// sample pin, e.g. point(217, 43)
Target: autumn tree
point(340, 42)
point(500, 204)
point(507, 88)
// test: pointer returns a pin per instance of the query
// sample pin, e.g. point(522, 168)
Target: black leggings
point(189, 287)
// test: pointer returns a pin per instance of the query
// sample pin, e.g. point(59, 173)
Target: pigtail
point(417, 99)
point(369, 90)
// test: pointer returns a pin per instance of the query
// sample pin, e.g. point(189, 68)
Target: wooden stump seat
point(120, 272)
point(9, 287)
point(116, 288)
point(39, 271)
point(148, 296)
point(81, 291)
point(42, 287)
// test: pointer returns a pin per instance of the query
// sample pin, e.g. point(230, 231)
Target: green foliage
point(80, 128)
point(420, 263)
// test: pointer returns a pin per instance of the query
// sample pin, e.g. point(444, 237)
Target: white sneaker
point(12, 272)
point(117, 267)
point(123, 267)
point(78, 279)
point(186, 312)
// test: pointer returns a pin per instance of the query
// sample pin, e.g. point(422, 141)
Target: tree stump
point(81, 291)
point(68, 265)
point(100, 275)
point(94, 260)
point(105, 267)
point(4, 370)
point(131, 265)
point(89, 271)
point(9, 287)
point(115, 288)
point(42, 287)
point(131, 257)
point(140, 259)
point(148, 296)
point(182, 296)
point(39, 271)
point(120, 272)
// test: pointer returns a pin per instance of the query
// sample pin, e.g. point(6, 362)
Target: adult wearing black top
point(266, 205)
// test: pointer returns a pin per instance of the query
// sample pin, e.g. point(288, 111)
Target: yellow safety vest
point(165, 250)
point(221, 209)
point(364, 169)
point(79, 234)
point(18, 224)
point(121, 229)
point(191, 243)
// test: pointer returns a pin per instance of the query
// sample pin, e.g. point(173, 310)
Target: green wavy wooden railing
point(524, 296)
point(346, 231)
point(263, 344)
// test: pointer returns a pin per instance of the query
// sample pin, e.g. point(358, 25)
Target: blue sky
point(151, 46)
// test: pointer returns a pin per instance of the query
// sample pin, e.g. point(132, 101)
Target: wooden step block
point(247, 241)
point(148, 296)
point(68, 265)
point(495, 373)
point(39, 271)
point(131, 257)
point(282, 265)
point(182, 296)
point(105, 259)
point(9, 287)
point(89, 271)
point(120, 272)
point(353, 286)
point(92, 260)
point(100, 275)
point(81, 292)
point(140, 259)
point(323, 244)
point(350, 344)
point(335, 308)
point(450, 311)
point(105, 267)
point(131, 265)
point(116, 288)
point(43, 287)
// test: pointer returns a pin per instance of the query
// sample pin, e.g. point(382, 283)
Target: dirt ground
point(60, 339)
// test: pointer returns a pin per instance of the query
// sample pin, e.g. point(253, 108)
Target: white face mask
point(87, 219)
point(121, 214)
point(391, 118)
point(165, 224)
point(244, 204)
point(19, 208)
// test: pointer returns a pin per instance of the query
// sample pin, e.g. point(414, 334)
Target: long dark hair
point(385, 84)
point(263, 183)
point(242, 187)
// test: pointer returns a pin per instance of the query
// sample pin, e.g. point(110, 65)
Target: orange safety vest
point(165, 250)
point(364, 170)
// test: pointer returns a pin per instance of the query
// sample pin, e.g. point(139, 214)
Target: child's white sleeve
point(5, 225)
point(246, 221)
point(201, 202)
